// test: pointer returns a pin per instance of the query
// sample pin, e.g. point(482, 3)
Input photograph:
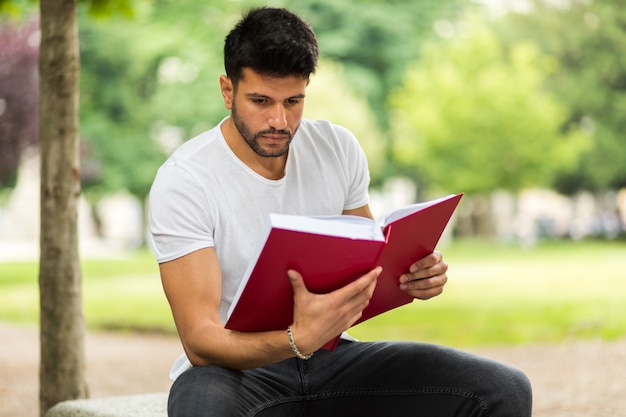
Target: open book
point(330, 252)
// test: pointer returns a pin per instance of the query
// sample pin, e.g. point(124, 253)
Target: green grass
point(500, 294)
point(497, 294)
point(118, 294)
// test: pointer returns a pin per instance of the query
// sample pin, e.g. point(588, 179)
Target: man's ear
point(228, 90)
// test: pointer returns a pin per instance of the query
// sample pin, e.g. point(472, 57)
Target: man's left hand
point(426, 277)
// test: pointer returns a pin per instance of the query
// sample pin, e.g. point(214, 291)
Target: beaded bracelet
point(292, 343)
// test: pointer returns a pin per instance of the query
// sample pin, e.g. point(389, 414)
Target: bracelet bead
point(294, 348)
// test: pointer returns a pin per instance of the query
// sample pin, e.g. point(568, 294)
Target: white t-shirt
point(204, 196)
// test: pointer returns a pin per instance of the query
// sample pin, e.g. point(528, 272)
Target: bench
point(144, 405)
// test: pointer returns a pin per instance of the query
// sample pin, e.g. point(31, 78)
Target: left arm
point(425, 278)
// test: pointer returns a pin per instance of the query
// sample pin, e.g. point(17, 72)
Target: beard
point(252, 139)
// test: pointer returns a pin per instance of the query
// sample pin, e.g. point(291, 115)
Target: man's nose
point(278, 117)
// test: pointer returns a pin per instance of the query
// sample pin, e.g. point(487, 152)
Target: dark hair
point(271, 41)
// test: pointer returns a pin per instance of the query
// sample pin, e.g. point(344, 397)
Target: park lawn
point(499, 294)
point(496, 294)
point(118, 294)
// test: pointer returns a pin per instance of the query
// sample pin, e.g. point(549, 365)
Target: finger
point(364, 286)
point(424, 289)
point(426, 262)
point(426, 294)
point(425, 283)
point(297, 282)
point(432, 271)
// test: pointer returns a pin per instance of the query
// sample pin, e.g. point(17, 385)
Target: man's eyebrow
point(258, 95)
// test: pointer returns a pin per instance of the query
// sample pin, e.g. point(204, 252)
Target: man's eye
point(259, 100)
point(293, 101)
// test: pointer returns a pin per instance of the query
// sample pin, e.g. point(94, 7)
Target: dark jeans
point(358, 379)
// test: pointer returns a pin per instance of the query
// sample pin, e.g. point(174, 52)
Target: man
point(209, 204)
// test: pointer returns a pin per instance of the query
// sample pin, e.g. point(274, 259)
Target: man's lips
point(275, 138)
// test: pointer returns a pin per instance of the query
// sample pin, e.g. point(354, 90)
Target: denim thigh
point(360, 379)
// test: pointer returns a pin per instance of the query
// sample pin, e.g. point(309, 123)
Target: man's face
point(266, 110)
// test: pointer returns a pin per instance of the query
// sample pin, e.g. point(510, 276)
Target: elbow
point(197, 358)
point(199, 354)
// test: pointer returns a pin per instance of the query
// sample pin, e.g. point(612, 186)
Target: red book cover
point(332, 251)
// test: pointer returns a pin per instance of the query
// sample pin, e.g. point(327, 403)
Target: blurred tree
point(19, 112)
point(150, 82)
point(117, 84)
point(147, 85)
point(62, 367)
point(473, 117)
point(375, 41)
point(350, 111)
point(62, 362)
point(589, 40)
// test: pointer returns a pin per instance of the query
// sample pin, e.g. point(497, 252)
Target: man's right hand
point(319, 318)
point(192, 284)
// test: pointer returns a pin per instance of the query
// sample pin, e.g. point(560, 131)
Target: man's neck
point(272, 168)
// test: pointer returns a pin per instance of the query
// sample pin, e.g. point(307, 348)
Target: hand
point(318, 318)
point(426, 277)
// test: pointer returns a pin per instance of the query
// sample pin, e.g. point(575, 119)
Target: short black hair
point(271, 41)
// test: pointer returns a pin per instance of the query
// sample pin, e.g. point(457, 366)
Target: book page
point(348, 226)
point(402, 212)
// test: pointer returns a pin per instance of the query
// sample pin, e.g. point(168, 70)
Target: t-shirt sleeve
point(179, 216)
point(357, 170)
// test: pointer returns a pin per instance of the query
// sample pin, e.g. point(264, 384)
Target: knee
point(523, 382)
point(524, 389)
point(516, 392)
point(202, 391)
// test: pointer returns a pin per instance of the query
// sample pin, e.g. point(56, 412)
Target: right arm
point(193, 284)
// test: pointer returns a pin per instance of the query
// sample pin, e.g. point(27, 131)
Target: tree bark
point(62, 367)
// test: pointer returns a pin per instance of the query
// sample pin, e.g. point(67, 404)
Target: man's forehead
point(252, 82)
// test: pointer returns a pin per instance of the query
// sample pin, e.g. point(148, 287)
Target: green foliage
point(589, 39)
point(496, 294)
point(16, 7)
point(507, 114)
point(96, 7)
point(115, 90)
point(346, 108)
point(374, 40)
point(472, 116)
point(148, 83)
point(149, 73)
point(153, 79)
point(105, 8)
point(141, 77)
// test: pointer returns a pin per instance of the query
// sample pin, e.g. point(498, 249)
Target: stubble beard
point(252, 138)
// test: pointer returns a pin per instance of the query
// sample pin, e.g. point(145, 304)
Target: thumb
point(297, 282)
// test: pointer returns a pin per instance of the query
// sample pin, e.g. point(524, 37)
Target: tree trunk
point(62, 367)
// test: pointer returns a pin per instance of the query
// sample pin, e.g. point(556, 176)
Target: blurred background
point(520, 104)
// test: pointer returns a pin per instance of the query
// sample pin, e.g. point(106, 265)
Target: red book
point(331, 251)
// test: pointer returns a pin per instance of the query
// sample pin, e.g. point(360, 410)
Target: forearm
point(195, 307)
point(214, 345)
